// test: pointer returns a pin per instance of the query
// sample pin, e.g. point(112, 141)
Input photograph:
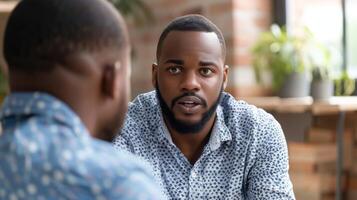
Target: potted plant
point(322, 83)
point(287, 58)
point(344, 84)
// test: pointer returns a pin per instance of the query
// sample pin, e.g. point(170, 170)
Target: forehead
point(181, 44)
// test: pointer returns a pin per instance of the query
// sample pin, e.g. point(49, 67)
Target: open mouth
point(189, 104)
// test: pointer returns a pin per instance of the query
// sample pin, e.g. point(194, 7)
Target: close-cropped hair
point(41, 33)
point(191, 23)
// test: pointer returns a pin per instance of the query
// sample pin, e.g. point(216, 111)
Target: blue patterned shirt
point(47, 153)
point(246, 156)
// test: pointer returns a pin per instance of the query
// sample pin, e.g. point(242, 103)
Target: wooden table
point(333, 105)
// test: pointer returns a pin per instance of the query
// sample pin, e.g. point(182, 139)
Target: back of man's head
point(75, 50)
point(41, 33)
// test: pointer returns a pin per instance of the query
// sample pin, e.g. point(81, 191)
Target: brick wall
point(250, 19)
point(241, 22)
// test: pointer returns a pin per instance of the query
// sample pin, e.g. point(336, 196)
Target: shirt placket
point(196, 178)
point(195, 183)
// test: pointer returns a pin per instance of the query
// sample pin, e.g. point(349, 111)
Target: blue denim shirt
point(246, 156)
point(47, 153)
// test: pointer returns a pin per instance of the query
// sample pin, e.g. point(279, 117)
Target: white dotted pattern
point(51, 155)
point(245, 158)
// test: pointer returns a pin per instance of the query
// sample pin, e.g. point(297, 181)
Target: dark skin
point(94, 84)
point(191, 61)
point(87, 80)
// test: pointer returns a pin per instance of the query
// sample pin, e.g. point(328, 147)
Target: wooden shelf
point(305, 104)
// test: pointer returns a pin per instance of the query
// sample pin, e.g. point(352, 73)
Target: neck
point(67, 90)
point(192, 145)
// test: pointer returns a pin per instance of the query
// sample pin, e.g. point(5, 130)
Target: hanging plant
point(134, 9)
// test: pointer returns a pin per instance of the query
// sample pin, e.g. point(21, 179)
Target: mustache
point(186, 94)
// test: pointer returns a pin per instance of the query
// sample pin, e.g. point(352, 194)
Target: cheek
point(123, 108)
point(125, 86)
point(168, 89)
point(120, 111)
point(212, 90)
point(123, 95)
point(124, 100)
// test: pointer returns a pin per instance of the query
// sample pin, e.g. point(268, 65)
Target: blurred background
point(297, 59)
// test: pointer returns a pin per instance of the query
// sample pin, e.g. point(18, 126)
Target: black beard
point(181, 126)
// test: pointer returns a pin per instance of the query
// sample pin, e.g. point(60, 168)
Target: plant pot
point(295, 85)
point(322, 89)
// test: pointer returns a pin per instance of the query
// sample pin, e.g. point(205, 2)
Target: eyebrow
point(174, 61)
point(181, 62)
point(203, 63)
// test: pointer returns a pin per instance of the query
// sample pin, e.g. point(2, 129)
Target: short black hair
point(192, 22)
point(41, 33)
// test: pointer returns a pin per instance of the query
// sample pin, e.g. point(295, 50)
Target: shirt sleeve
point(138, 185)
point(268, 177)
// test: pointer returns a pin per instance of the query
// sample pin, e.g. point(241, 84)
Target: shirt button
point(193, 174)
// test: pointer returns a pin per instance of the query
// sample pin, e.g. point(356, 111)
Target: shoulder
point(114, 173)
point(117, 160)
point(143, 108)
point(239, 113)
point(251, 125)
point(254, 127)
point(143, 114)
point(131, 176)
point(86, 168)
point(144, 101)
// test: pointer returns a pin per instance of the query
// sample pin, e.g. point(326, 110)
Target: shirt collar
point(220, 133)
point(38, 103)
point(164, 133)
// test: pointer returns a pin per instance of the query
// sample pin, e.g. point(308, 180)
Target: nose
point(190, 82)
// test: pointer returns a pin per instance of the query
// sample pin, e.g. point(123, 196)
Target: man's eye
point(206, 71)
point(174, 70)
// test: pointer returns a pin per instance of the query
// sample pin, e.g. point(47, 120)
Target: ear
point(154, 71)
point(225, 76)
point(111, 80)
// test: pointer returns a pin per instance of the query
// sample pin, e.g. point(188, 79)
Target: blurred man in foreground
point(69, 70)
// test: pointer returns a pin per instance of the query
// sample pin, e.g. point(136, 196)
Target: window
point(351, 32)
point(324, 19)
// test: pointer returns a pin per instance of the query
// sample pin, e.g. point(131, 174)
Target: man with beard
point(202, 143)
point(69, 68)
